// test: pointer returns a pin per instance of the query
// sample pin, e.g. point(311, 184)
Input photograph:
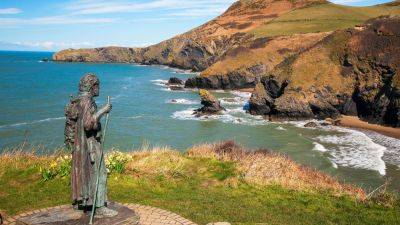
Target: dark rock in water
point(324, 124)
point(175, 81)
point(210, 103)
point(174, 101)
point(233, 80)
point(260, 102)
point(176, 87)
point(45, 60)
point(311, 124)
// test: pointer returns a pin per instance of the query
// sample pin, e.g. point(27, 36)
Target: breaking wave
point(31, 122)
point(355, 149)
point(160, 82)
point(319, 147)
point(235, 116)
point(183, 101)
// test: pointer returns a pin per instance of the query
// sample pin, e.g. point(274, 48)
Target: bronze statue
point(83, 137)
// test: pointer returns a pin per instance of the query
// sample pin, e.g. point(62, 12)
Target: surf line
point(31, 122)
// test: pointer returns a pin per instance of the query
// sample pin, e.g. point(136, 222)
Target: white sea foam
point(31, 122)
point(182, 101)
point(134, 117)
point(233, 101)
point(280, 128)
point(319, 147)
point(301, 123)
point(245, 95)
point(355, 149)
point(235, 116)
point(160, 82)
point(392, 153)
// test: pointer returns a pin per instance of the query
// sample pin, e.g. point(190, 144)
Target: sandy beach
point(355, 122)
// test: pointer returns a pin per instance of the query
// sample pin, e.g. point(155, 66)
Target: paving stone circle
point(147, 216)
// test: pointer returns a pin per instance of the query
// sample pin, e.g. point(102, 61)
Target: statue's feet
point(105, 212)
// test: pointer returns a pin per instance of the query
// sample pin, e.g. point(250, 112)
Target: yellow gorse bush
point(115, 161)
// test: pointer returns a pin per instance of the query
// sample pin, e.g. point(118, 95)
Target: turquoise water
point(33, 95)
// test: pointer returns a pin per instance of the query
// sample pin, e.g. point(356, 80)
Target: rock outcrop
point(350, 72)
point(210, 103)
point(175, 81)
point(260, 102)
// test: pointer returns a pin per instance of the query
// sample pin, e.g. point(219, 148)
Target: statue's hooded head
point(89, 84)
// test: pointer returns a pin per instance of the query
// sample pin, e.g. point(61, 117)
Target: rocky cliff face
point(199, 48)
point(352, 72)
point(240, 66)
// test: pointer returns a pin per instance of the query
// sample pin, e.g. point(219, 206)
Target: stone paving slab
point(147, 216)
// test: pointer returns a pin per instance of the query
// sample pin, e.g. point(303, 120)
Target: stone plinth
point(66, 215)
point(142, 215)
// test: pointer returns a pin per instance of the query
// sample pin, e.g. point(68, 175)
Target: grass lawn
point(201, 189)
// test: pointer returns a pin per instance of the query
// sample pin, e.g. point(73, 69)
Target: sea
point(33, 94)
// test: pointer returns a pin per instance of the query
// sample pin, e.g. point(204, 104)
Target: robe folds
point(86, 155)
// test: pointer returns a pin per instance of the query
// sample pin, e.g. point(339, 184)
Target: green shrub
point(60, 167)
point(116, 161)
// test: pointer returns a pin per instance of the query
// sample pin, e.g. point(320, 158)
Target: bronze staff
point(98, 167)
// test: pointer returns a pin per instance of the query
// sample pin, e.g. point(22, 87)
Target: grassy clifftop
point(323, 17)
point(212, 182)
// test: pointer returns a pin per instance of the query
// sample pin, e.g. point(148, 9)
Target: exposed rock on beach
point(210, 103)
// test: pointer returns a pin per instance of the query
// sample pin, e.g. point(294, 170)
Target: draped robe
point(87, 145)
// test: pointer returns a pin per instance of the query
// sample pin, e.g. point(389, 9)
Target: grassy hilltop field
point(207, 183)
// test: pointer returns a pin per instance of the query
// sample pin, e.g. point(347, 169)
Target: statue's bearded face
point(96, 89)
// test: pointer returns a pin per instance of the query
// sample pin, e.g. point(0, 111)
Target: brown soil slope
point(200, 47)
point(352, 72)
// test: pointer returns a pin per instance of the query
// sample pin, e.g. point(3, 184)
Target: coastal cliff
point(351, 72)
point(199, 48)
point(311, 57)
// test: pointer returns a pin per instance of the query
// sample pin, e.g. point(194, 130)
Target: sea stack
point(260, 102)
point(210, 103)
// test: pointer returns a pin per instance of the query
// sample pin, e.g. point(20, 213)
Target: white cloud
point(101, 6)
point(212, 11)
point(46, 45)
point(5, 11)
point(358, 2)
point(53, 20)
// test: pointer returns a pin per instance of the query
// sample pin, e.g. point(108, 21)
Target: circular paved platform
point(147, 215)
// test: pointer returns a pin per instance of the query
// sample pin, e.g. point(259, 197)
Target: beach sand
point(355, 122)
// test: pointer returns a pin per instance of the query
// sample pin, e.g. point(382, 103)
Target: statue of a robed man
point(83, 137)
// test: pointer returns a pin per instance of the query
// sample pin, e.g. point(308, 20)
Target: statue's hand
point(107, 108)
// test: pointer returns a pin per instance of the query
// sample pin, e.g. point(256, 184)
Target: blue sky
point(50, 25)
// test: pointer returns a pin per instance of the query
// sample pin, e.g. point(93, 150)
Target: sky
point(51, 25)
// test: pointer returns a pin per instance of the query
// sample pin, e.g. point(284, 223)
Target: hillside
point(351, 72)
point(200, 47)
point(250, 40)
point(244, 21)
